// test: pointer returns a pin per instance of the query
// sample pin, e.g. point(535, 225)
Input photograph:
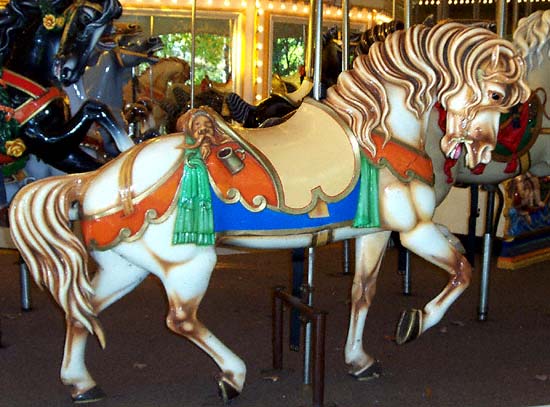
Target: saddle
point(312, 157)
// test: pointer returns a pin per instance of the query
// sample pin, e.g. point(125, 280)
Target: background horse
point(154, 84)
point(32, 55)
point(111, 70)
point(137, 219)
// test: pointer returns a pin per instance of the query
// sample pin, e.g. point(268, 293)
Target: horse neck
point(403, 124)
point(539, 78)
point(32, 55)
point(432, 147)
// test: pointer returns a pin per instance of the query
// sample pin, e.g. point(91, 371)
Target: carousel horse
point(523, 140)
point(164, 205)
point(155, 84)
point(107, 74)
point(44, 45)
point(280, 104)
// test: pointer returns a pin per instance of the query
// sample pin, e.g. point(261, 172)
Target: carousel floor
point(502, 362)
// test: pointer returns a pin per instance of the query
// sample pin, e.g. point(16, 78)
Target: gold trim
point(287, 232)
point(137, 198)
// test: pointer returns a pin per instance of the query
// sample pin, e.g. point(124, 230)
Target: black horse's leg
point(58, 143)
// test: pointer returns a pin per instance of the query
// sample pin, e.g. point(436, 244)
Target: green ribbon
point(367, 215)
point(194, 217)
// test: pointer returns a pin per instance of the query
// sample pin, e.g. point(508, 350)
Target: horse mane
point(428, 64)
point(531, 36)
point(20, 14)
point(164, 71)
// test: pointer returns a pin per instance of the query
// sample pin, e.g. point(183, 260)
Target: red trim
point(22, 83)
point(27, 110)
point(40, 96)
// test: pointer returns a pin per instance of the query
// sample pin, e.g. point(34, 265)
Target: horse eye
point(85, 19)
point(496, 96)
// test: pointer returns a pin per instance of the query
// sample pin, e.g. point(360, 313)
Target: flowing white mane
point(532, 38)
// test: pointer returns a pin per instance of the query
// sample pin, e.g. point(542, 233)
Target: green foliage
point(211, 54)
point(288, 54)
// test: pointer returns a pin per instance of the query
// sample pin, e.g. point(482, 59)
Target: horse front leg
point(185, 286)
point(369, 250)
point(427, 241)
point(102, 114)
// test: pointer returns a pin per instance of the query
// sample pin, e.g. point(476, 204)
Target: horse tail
point(240, 110)
point(41, 230)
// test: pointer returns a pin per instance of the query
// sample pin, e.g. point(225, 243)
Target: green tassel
point(194, 217)
point(367, 215)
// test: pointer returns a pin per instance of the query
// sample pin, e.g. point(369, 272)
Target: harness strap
point(40, 97)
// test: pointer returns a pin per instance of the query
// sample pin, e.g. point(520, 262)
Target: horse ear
point(495, 57)
point(117, 7)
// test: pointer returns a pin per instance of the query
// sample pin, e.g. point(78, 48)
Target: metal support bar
point(472, 224)
point(318, 324)
point(25, 287)
point(404, 266)
point(298, 259)
point(308, 293)
point(347, 258)
point(487, 246)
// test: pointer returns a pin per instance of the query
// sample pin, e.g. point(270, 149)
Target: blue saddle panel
point(236, 218)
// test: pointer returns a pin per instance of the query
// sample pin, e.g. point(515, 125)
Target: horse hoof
point(374, 371)
point(90, 396)
point(409, 326)
point(227, 392)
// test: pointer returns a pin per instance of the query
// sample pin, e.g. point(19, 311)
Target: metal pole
point(317, 12)
point(318, 48)
point(515, 14)
point(486, 263)
point(192, 66)
point(501, 17)
point(307, 339)
point(345, 35)
point(25, 287)
point(407, 12)
point(308, 63)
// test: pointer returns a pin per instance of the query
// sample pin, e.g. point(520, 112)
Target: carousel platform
point(502, 362)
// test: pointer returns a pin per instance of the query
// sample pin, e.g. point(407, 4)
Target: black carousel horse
point(270, 110)
point(46, 44)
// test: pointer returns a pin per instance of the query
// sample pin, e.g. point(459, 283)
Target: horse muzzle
point(65, 71)
point(476, 151)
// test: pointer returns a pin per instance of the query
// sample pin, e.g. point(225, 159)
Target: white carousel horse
point(137, 219)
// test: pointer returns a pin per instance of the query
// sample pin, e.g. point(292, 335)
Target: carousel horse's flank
point(162, 206)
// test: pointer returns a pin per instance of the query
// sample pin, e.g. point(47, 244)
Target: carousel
point(214, 168)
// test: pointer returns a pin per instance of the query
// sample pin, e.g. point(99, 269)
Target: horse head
point(488, 79)
point(85, 23)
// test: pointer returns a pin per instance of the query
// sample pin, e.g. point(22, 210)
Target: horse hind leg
point(185, 285)
point(115, 278)
point(370, 250)
point(427, 241)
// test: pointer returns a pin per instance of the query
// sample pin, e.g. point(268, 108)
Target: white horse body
point(57, 258)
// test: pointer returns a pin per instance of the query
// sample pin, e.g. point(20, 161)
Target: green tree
point(211, 56)
point(288, 55)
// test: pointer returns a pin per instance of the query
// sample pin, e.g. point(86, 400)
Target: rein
point(40, 96)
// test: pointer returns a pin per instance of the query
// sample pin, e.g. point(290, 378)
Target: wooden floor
point(503, 362)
